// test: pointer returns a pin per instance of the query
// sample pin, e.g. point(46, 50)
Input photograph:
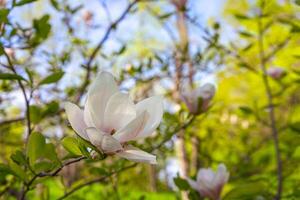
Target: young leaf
point(52, 78)
point(23, 2)
point(3, 15)
point(182, 184)
point(36, 144)
point(8, 76)
point(295, 126)
point(71, 145)
point(19, 158)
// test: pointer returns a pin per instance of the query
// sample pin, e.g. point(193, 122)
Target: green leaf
point(42, 156)
point(36, 144)
point(182, 184)
point(8, 76)
point(42, 30)
point(241, 17)
point(297, 2)
point(55, 4)
point(51, 108)
point(19, 158)
point(246, 109)
point(71, 145)
point(23, 2)
point(36, 113)
point(52, 78)
point(246, 34)
point(17, 171)
point(295, 28)
point(295, 126)
point(166, 16)
point(248, 191)
point(3, 15)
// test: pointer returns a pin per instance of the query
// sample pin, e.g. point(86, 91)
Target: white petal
point(137, 155)
point(131, 130)
point(75, 117)
point(103, 141)
point(222, 175)
point(205, 175)
point(193, 184)
point(120, 110)
point(154, 106)
point(207, 91)
point(99, 92)
point(87, 116)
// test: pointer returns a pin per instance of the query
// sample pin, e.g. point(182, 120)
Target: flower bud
point(209, 183)
point(10, 52)
point(87, 17)
point(276, 72)
point(197, 100)
point(2, 3)
point(180, 4)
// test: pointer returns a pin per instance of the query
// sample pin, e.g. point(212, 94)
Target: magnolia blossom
point(276, 72)
point(197, 100)
point(110, 119)
point(209, 183)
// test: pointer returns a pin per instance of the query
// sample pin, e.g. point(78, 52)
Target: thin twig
point(43, 174)
point(97, 180)
point(270, 105)
point(88, 65)
point(21, 85)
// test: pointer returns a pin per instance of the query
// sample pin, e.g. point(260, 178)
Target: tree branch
point(112, 27)
point(270, 105)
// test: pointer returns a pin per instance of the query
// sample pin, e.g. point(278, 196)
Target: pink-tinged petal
point(137, 155)
point(75, 117)
point(221, 177)
point(120, 110)
point(132, 130)
point(103, 141)
point(205, 175)
point(154, 106)
point(99, 93)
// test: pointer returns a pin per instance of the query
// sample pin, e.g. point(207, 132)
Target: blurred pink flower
point(2, 3)
point(110, 119)
point(10, 52)
point(209, 183)
point(87, 17)
point(202, 95)
point(276, 72)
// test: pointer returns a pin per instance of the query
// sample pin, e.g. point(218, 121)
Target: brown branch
point(43, 174)
point(97, 180)
point(270, 105)
point(21, 85)
point(9, 121)
point(88, 65)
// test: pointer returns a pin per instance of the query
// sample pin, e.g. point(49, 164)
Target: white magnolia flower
point(276, 72)
point(203, 95)
point(209, 183)
point(110, 119)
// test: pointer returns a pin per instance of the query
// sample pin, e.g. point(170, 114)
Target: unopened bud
point(209, 183)
point(198, 100)
point(276, 72)
point(87, 17)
